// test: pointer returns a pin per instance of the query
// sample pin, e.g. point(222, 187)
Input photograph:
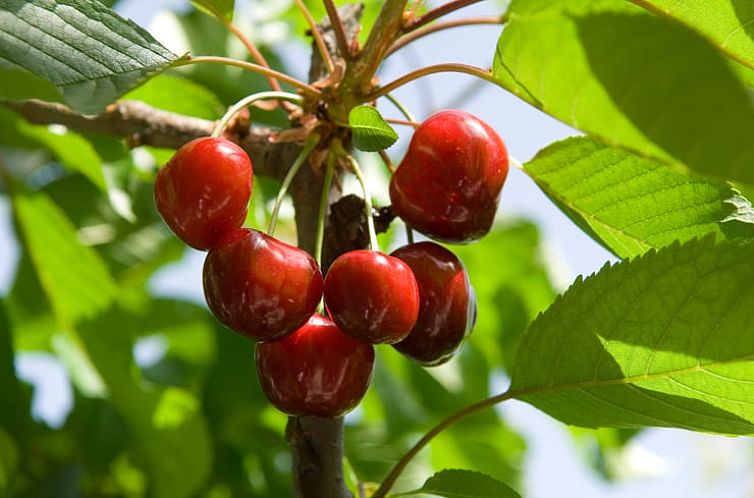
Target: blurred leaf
point(75, 279)
point(586, 62)
point(604, 450)
point(15, 414)
point(169, 434)
point(9, 459)
point(220, 8)
point(85, 49)
point(630, 204)
point(19, 84)
point(177, 94)
point(664, 340)
point(454, 483)
point(73, 151)
point(371, 133)
point(509, 295)
point(727, 23)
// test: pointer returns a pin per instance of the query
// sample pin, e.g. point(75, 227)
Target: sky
point(659, 463)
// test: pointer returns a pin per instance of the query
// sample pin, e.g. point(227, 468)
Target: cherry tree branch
point(338, 28)
point(436, 13)
point(141, 124)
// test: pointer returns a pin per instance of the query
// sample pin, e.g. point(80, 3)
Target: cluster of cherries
point(418, 299)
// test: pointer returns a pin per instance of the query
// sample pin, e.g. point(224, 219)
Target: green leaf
point(729, 24)
point(509, 296)
point(455, 483)
point(631, 204)
point(14, 415)
point(73, 151)
point(73, 276)
point(163, 422)
point(586, 63)
point(371, 133)
point(179, 95)
point(85, 49)
point(22, 85)
point(666, 339)
point(219, 8)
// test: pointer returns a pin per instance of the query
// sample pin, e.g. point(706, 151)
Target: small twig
point(436, 13)
point(440, 26)
point(317, 35)
point(397, 469)
point(247, 101)
point(438, 68)
point(254, 68)
point(338, 28)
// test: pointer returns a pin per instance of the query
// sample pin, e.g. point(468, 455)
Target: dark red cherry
point(373, 297)
point(449, 182)
point(203, 192)
point(317, 370)
point(448, 307)
point(259, 286)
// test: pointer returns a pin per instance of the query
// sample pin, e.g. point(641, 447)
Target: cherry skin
point(448, 184)
point(259, 286)
point(203, 192)
point(448, 307)
point(317, 370)
point(373, 297)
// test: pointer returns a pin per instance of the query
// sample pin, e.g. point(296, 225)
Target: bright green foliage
point(510, 295)
point(586, 63)
point(631, 204)
point(728, 23)
point(663, 340)
point(88, 52)
point(371, 133)
point(21, 85)
point(221, 8)
point(74, 278)
point(456, 483)
point(179, 95)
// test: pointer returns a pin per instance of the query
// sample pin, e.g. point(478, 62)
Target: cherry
point(448, 307)
point(449, 182)
point(203, 191)
point(373, 297)
point(259, 286)
point(317, 370)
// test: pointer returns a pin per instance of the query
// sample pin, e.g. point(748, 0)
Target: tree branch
point(141, 124)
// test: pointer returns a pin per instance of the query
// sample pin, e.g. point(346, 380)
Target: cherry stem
point(437, 12)
point(409, 234)
point(338, 28)
point(516, 163)
point(400, 106)
point(398, 468)
point(247, 101)
point(440, 26)
point(250, 47)
point(317, 35)
point(437, 68)
point(387, 161)
point(300, 160)
point(254, 68)
point(323, 205)
point(403, 122)
point(373, 245)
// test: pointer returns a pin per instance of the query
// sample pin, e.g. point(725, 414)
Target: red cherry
point(449, 182)
point(373, 297)
point(203, 192)
point(317, 370)
point(448, 307)
point(259, 286)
